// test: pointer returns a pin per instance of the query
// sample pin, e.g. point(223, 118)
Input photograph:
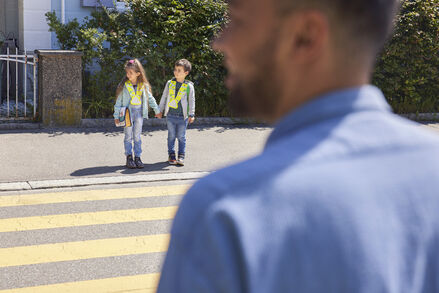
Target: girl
point(132, 92)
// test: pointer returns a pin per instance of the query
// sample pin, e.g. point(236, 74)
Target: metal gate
point(15, 108)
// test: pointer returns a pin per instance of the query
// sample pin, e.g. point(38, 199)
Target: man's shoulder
point(227, 184)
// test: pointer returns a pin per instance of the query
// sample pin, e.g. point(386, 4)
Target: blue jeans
point(176, 130)
point(133, 133)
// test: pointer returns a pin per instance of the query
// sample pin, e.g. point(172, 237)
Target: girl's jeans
point(176, 130)
point(134, 132)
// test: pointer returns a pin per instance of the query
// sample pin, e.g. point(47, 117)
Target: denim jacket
point(187, 102)
point(124, 98)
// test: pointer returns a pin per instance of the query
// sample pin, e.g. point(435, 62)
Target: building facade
point(23, 22)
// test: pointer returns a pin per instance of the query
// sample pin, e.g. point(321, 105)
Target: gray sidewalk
point(78, 154)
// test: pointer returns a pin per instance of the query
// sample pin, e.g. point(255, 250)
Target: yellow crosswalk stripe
point(68, 251)
point(91, 195)
point(86, 219)
point(140, 283)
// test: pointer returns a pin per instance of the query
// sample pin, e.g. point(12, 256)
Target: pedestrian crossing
point(85, 219)
point(140, 283)
point(110, 240)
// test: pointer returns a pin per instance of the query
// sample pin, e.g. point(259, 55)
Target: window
point(98, 3)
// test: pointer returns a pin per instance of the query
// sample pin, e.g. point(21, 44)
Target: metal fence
point(13, 108)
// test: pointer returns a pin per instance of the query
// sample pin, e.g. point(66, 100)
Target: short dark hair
point(362, 23)
point(185, 64)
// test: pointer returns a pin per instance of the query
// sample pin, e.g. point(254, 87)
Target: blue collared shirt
point(344, 198)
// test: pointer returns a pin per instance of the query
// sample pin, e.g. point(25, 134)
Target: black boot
point(130, 162)
point(138, 162)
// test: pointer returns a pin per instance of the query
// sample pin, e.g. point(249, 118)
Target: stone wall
point(60, 87)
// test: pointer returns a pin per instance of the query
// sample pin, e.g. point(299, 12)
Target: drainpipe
point(63, 11)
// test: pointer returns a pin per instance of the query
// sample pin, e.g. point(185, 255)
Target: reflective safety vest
point(136, 96)
point(173, 102)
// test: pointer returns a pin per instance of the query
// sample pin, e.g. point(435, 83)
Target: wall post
point(60, 87)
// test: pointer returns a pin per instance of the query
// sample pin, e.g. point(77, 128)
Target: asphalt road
point(89, 153)
point(109, 238)
point(106, 239)
point(82, 153)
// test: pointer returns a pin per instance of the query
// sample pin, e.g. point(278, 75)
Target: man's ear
point(304, 36)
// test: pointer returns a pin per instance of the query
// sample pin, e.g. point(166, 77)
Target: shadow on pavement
point(160, 166)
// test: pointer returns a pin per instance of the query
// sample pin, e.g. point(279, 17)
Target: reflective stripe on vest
point(173, 102)
point(136, 97)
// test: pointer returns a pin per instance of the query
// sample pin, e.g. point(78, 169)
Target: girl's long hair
point(136, 66)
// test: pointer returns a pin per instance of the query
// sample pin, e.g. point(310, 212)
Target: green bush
point(408, 69)
point(158, 33)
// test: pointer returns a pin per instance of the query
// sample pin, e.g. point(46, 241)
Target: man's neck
point(312, 90)
point(180, 80)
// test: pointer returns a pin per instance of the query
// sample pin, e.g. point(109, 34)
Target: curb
point(153, 122)
point(422, 116)
point(109, 123)
point(78, 182)
point(20, 125)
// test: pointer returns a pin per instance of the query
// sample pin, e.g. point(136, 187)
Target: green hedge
point(408, 68)
point(159, 32)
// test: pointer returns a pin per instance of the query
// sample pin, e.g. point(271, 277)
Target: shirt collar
point(334, 104)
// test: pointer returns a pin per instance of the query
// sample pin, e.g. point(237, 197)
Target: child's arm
point(191, 103)
point(117, 107)
point(152, 102)
point(164, 97)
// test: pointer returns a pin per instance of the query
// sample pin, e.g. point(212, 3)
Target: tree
point(408, 69)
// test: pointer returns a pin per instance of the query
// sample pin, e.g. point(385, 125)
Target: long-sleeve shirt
point(124, 99)
point(344, 198)
point(187, 101)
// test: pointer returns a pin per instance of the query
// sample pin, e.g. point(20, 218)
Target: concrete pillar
point(60, 87)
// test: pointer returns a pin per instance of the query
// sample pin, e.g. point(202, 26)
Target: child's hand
point(159, 115)
point(191, 119)
point(116, 122)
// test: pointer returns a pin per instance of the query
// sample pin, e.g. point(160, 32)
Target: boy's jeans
point(134, 132)
point(176, 130)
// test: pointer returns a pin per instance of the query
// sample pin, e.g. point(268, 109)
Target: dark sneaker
point(130, 163)
point(138, 163)
point(180, 160)
point(171, 159)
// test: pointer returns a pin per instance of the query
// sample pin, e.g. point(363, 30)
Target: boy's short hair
point(185, 64)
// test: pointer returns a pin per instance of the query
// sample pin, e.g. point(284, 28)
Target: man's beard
point(256, 96)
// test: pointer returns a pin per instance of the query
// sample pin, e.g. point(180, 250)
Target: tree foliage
point(408, 68)
point(159, 32)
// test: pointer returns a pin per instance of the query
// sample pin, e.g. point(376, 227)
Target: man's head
point(282, 53)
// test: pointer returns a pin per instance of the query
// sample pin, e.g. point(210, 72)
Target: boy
point(178, 102)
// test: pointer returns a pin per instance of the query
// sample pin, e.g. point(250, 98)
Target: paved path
point(96, 153)
point(85, 153)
